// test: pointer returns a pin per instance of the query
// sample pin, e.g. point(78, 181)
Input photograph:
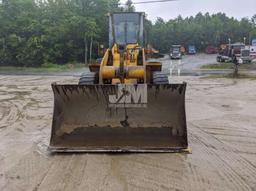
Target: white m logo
point(129, 96)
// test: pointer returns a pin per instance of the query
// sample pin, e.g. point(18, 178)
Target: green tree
point(34, 32)
point(129, 7)
point(201, 30)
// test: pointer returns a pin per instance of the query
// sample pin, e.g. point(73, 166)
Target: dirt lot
point(189, 62)
point(222, 134)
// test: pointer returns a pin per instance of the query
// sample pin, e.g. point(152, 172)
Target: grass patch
point(251, 66)
point(230, 76)
point(48, 67)
point(218, 66)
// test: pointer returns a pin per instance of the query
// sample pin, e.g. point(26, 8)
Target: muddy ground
point(222, 134)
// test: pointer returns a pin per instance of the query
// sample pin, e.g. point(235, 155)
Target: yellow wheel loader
point(125, 104)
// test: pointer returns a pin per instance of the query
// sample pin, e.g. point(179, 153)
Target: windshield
point(192, 48)
point(126, 28)
point(239, 46)
point(176, 50)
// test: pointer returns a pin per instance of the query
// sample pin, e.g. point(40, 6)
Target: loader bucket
point(119, 118)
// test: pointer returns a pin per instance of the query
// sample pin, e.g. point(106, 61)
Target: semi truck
point(237, 50)
point(175, 52)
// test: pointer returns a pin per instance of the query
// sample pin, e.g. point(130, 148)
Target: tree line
point(202, 30)
point(37, 32)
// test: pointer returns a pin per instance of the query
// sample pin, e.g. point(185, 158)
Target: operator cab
point(126, 37)
point(126, 28)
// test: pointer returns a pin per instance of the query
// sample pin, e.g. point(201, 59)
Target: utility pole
point(85, 51)
point(4, 48)
point(91, 50)
point(229, 47)
point(250, 40)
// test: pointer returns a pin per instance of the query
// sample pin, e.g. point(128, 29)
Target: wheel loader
point(125, 103)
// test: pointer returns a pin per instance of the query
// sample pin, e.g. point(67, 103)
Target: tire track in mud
point(9, 111)
point(27, 173)
point(195, 179)
point(234, 167)
point(206, 171)
point(37, 172)
point(58, 175)
point(79, 172)
point(115, 169)
point(19, 101)
point(13, 100)
point(13, 113)
point(97, 174)
point(26, 107)
point(212, 166)
point(206, 156)
point(230, 155)
point(136, 174)
point(12, 116)
point(171, 172)
point(219, 140)
point(156, 172)
point(17, 119)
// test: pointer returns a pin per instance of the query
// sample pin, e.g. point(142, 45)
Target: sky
point(170, 10)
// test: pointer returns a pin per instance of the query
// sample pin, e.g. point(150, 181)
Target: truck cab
point(191, 49)
point(245, 55)
point(237, 50)
point(175, 52)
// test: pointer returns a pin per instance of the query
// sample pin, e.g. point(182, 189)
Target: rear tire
point(87, 79)
point(160, 78)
